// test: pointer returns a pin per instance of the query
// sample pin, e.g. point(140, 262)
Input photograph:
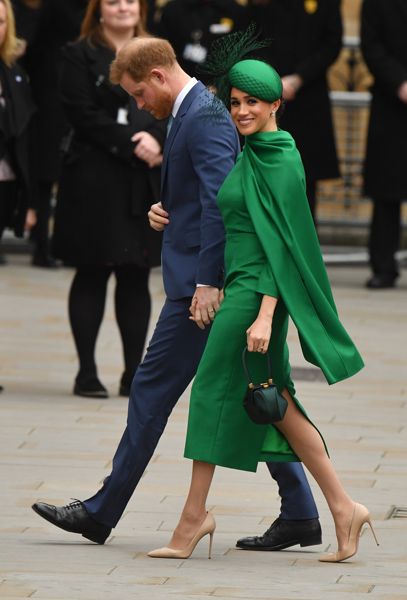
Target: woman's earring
point(273, 113)
point(101, 20)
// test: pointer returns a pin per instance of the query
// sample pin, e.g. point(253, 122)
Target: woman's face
point(120, 15)
point(3, 23)
point(250, 114)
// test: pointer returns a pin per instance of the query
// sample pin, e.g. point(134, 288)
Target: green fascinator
point(231, 63)
point(257, 78)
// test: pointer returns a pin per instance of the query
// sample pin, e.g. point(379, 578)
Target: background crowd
point(67, 132)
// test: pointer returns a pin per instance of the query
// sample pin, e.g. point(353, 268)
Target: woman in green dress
point(274, 270)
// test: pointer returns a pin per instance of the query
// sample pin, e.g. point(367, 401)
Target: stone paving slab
point(54, 446)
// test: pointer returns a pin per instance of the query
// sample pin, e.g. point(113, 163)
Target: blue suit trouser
point(169, 365)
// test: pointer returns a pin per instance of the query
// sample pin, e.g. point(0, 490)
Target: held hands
point(147, 148)
point(158, 217)
point(204, 306)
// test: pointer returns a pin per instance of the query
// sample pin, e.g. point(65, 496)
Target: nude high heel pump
point(360, 516)
point(207, 527)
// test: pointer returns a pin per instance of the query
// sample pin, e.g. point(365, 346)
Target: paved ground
point(54, 445)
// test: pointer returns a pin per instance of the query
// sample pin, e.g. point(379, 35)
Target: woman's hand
point(259, 334)
point(30, 219)
point(147, 148)
point(402, 92)
point(291, 85)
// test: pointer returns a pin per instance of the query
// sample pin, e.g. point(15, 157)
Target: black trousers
point(384, 241)
point(87, 298)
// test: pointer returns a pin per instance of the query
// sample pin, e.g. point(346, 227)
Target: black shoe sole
point(316, 541)
point(77, 391)
point(97, 538)
point(84, 394)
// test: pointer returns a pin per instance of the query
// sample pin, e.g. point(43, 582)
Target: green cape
point(274, 188)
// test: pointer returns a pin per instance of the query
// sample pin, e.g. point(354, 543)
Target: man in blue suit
point(198, 154)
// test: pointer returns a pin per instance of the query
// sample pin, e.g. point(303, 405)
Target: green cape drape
point(274, 188)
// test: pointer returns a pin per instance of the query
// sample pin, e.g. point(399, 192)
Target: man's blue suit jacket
point(199, 152)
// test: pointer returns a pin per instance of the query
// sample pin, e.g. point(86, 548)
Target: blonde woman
point(16, 117)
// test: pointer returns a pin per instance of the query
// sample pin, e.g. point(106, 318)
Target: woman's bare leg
point(194, 511)
point(309, 447)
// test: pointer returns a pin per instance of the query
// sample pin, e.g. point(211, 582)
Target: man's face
point(152, 94)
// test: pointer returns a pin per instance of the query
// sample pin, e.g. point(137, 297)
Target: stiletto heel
point(207, 527)
point(369, 522)
point(360, 516)
point(210, 544)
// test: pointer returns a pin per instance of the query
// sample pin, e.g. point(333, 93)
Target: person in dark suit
point(306, 38)
point(191, 26)
point(17, 192)
point(198, 154)
point(109, 175)
point(383, 27)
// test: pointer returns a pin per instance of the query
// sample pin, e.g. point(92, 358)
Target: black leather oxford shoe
point(283, 534)
point(74, 518)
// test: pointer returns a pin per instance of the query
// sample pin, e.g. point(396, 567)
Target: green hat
point(257, 78)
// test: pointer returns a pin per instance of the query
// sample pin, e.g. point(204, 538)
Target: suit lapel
point(177, 123)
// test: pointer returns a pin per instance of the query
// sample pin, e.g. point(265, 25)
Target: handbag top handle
point(246, 370)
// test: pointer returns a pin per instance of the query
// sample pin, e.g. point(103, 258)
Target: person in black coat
point(306, 38)
point(110, 176)
point(46, 26)
point(17, 192)
point(384, 47)
point(192, 25)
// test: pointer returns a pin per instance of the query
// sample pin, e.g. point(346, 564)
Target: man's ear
point(157, 75)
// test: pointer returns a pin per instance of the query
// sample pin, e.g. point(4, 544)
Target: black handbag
point(263, 402)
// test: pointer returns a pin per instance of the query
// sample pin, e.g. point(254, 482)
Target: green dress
point(271, 249)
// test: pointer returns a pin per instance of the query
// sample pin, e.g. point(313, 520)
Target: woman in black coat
point(110, 176)
point(306, 38)
point(16, 135)
point(46, 26)
point(384, 47)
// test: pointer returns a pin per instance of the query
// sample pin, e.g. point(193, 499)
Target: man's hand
point(291, 85)
point(147, 148)
point(204, 306)
point(158, 217)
